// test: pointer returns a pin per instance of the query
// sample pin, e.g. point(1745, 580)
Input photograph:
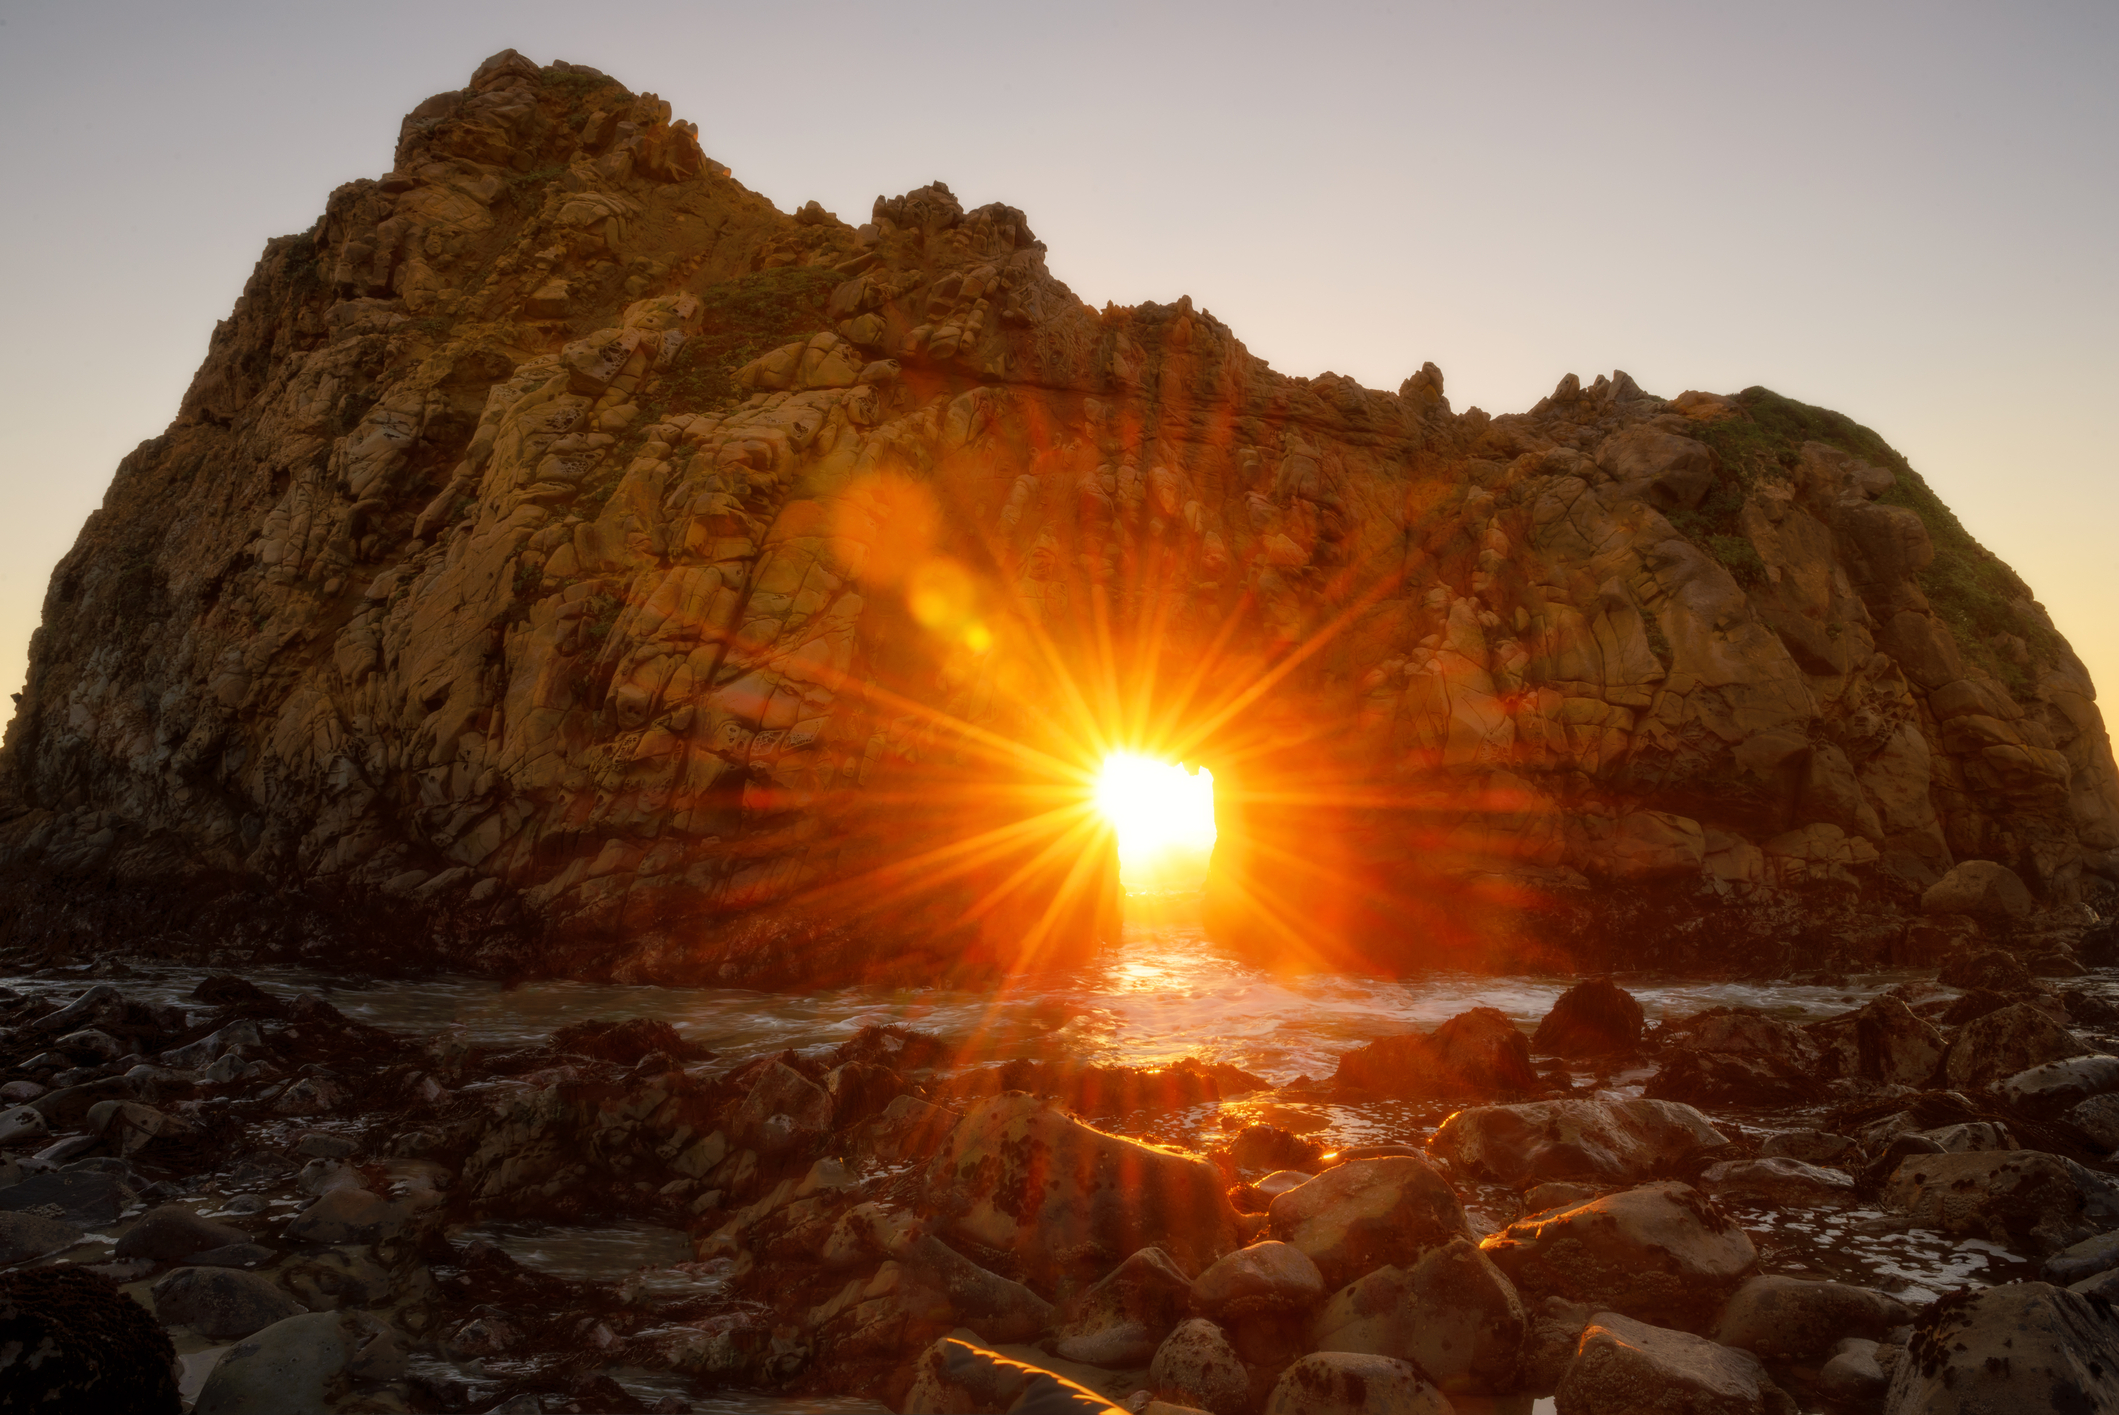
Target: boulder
point(2013, 1197)
point(784, 1111)
point(23, 1122)
point(1627, 1367)
point(2026, 1346)
point(2085, 1259)
point(1616, 1141)
point(173, 1232)
point(78, 1196)
point(1346, 1383)
point(222, 1304)
point(1981, 888)
point(95, 1349)
point(69, 1105)
point(127, 1127)
point(994, 1307)
point(955, 1377)
point(1737, 1056)
point(2003, 1043)
point(2062, 1083)
point(1265, 1279)
point(1985, 970)
point(1809, 1146)
point(1595, 1017)
point(1799, 1321)
point(1660, 1252)
point(1454, 1314)
point(293, 1367)
point(1095, 1198)
point(1778, 1183)
point(235, 1255)
point(1854, 1374)
point(26, 1236)
point(1361, 1215)
point(1196, 1366)
point(1882, 1042)
point(1475, 1053)
point(348, 1215)
point(2097, 1117)
point(1119, 1320)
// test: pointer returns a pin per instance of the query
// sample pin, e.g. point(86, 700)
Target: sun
point(1163, 816)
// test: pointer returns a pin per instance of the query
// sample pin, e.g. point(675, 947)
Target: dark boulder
point(2024, 1346)
point(1476, 1053)
point(1593, 1018)
point(97, 1348)
point(1993, 968)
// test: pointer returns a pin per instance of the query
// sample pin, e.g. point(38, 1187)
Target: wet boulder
point(1475, 1053)
point(2026, 1346)
point(1627, 1367)
point(172, 1232)
point(2062, 1083)
point(1119, 1320)
point(1660, 1252)
point(96, 1349)
point(74, 1195)
point(2097, 1117)
point(1262, 1146)
point(1810, 1146)
point(127, 1127)
point(1616, 1141)
point(1737, 1056)
point(1778, 1183)
point(22, 1122)
point(1883, 1043)
point(784, 1111)
point(2085, 1259)
point(1348, 1383)
point(222, 1304)
point(27, 1236)
point(1854, 1373)
point(296, 1366)
point(1265, 1279)
point(69, 1105)
point(993, 1306)
point(1196, 1366)
point(349, 1215)
point(1799, 1321)
point(1453, 1313)
point(2004, 1043)
point(954, 1377)
point(1595, 1017)
point(1981, 888)
point(1994, 970)
point(1069, 1200)
point(1364, 1214)
point(2018, 1198)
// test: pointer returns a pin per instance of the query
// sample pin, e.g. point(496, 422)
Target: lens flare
point(1163, 816)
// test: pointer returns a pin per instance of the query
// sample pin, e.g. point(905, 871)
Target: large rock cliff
point(565, 560)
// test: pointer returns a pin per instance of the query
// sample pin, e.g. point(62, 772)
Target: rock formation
point(567, 559)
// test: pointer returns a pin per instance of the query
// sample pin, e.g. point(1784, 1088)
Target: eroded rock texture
point(576, 562)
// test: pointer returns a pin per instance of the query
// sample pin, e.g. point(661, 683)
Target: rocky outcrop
point(563, 548)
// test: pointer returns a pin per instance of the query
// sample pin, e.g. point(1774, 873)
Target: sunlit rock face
point(565, 560)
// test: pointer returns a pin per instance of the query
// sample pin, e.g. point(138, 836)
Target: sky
point(1903, 211)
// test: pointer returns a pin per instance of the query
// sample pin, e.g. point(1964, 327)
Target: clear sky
point(1909, 212)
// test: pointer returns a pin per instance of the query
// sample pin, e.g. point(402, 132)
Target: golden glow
point(1163, 816)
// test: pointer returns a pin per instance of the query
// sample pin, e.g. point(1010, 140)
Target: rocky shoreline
point(316, 1212)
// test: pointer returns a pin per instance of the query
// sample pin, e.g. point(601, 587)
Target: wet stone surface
point(674, 1208)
